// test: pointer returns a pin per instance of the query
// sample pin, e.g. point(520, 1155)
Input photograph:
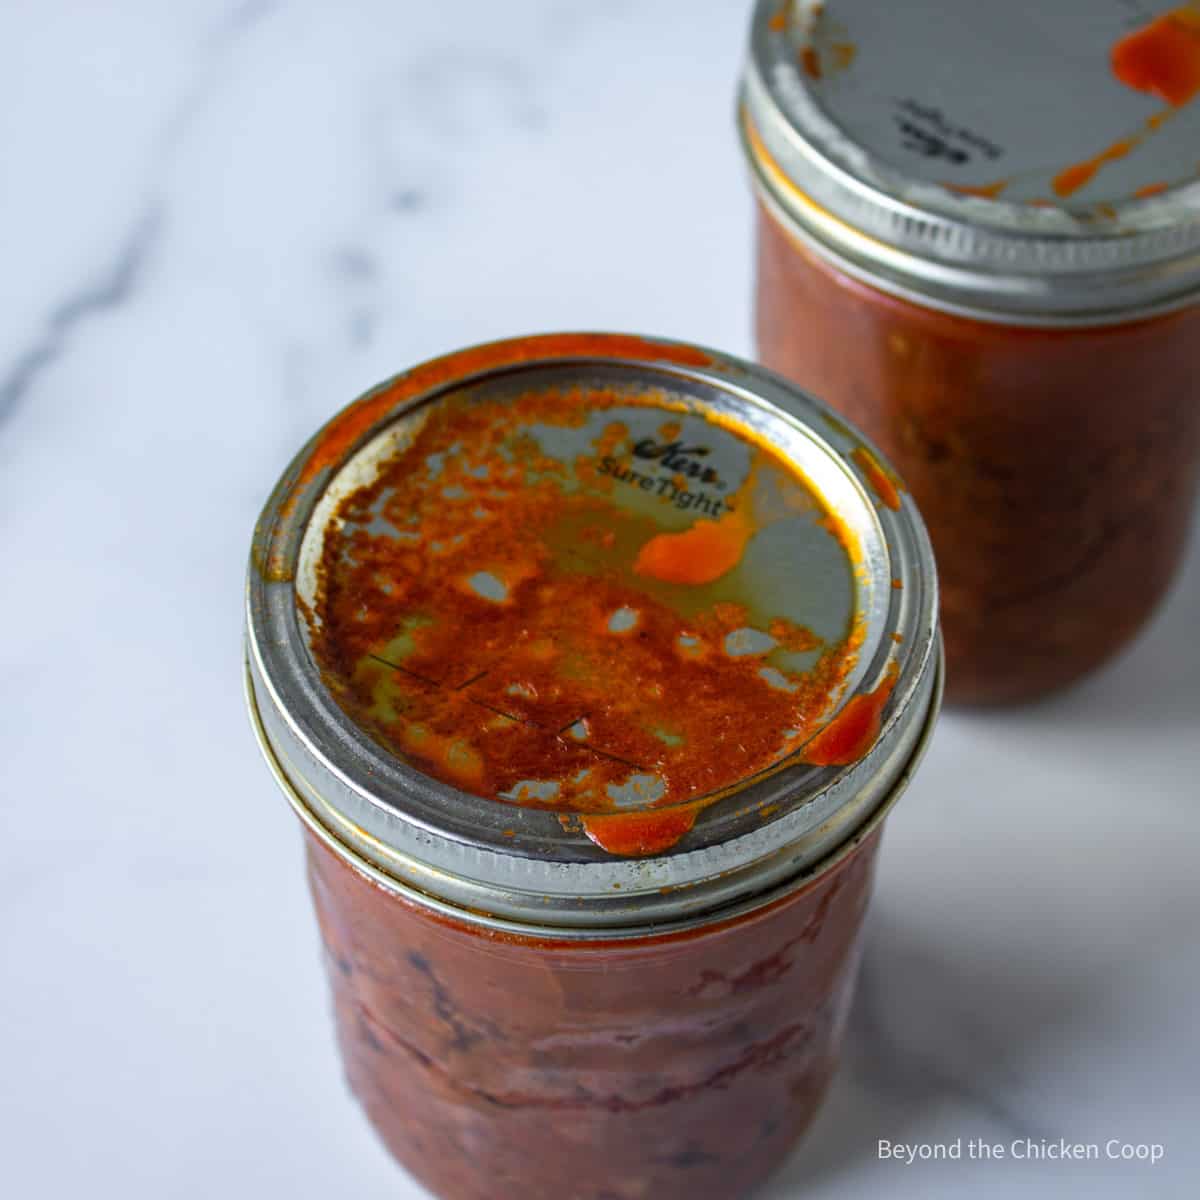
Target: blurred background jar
point(979, 239)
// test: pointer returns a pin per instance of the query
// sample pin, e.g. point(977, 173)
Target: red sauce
point(1163, 58)
point(1151, 189)
point(683, 1066)
point(810, 60)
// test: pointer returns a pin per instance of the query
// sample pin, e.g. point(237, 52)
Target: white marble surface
point(220, 221)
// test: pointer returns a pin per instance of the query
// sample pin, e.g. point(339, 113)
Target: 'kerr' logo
point(675, 456)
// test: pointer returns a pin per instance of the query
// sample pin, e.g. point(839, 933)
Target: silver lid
point(538, 483)
point(1030, 160)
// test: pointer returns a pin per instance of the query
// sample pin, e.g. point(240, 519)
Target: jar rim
point(680, 922)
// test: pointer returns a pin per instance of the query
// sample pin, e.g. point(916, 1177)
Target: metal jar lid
point(580, 526)
point(1026, 161)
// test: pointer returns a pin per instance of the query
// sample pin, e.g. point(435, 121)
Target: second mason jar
point(591, 665)
point(979, 238)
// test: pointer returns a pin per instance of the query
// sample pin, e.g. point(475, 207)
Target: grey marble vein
point(106, 291)
point(118, 280)
point(240, 20)
point(225, 37)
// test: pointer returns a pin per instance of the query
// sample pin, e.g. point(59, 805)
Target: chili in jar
point(979, 239)
point(591, 665)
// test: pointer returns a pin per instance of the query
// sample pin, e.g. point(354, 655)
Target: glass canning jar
point(979, 239)
point(591, 665)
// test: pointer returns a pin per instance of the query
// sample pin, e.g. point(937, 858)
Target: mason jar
point(979, 239)
point(591, 665)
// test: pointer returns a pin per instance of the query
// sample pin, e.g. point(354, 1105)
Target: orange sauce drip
point(810, 60)
point(701, 554)
point(881, 482)
point(853, 731)
point(1069, 180)
point(1151, 189)
point(988, 191)
point(843, 54)
point(1163, 58)
point(638, 834)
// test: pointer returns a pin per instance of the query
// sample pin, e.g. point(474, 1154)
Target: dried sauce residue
point(489, 613)
point(345, 430)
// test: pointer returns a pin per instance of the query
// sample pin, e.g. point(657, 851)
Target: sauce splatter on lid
point(586, 599)
point(1163, 57)
point(927, 97)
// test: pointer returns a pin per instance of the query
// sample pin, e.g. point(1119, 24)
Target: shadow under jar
point(995, 273)
point(592, 665)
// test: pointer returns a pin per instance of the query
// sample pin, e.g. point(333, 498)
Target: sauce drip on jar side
point(639, 834)
point(853, 731)
point(881, 482)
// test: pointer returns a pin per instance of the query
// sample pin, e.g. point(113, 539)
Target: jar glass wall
point(500, 1067)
